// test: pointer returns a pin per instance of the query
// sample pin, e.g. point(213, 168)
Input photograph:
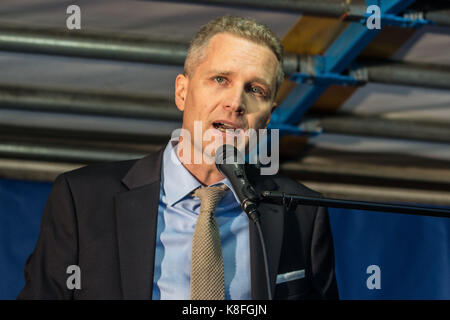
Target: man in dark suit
point(127, 226)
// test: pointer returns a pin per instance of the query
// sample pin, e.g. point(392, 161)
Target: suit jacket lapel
point(136, 215)
point(272, 222)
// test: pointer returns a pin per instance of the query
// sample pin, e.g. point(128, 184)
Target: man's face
point(232, 87)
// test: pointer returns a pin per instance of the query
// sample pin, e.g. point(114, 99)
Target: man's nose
point(234, 101)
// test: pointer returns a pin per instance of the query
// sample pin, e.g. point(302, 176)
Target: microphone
point(227, 162)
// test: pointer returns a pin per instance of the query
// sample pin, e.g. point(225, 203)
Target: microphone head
point(228, 154)
point(230, 162)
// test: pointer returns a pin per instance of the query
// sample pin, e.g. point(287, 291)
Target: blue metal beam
point(403, 22)
point(336, 59)
point(324, 79)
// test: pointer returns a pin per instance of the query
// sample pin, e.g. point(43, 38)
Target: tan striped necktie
point(207, 275)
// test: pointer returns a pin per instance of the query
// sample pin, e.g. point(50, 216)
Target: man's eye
point(220, 79)
point(257, 90)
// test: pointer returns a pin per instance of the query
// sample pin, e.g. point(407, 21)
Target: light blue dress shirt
point(177, 215)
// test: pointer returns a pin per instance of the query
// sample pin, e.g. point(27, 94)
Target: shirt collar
point(178, 182)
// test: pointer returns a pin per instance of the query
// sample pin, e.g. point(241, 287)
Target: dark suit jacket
point(103, 219)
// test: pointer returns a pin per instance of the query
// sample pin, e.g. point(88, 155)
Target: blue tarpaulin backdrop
point(411, 252)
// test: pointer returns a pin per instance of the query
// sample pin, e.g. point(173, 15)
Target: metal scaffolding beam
point(61, 153)
point(353, 10)
point(91, 45)
point(32, 170)
point(126, 48)
point(381, 127)
point(101, 46)
point(88, 102)
point(128, 107)
point(408, 74)
point(363, 172)
point(386, 71)
point(42, 131)
point(439, 17)
point(337, 58)
point(420, 189)
point(331, 8)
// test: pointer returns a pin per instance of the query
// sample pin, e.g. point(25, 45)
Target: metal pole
point(91, 45)
point(102, 46)
point(34, 170)
point(287, 199)
point(42, 132)
point(381, 127)
point(82, 102)
point(439, 17)
point(409, 74)
point(126, 48)
point(379, 193)
point(423, 175)
point(161, 109)
point(354, 10)
point(330, 8)
point(386, 71)
point(60, 153)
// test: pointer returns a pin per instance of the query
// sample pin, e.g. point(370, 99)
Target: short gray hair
point(243, 27)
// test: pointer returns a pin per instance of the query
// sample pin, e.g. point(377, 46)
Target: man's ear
point(274, 106)
point(181, 86)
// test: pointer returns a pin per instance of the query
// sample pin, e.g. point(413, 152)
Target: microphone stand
point(265, 259)
point(249, 200)
point(290, 201)
point(250, 207)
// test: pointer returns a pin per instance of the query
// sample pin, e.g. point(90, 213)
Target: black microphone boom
point(291, 200)
point(229, 161)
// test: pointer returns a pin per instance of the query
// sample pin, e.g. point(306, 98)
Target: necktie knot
point(210, 197)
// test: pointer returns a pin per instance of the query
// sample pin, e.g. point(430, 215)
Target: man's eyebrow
point(221, 72)
point(262, 81)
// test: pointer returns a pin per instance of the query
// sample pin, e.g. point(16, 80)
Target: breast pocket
point(292, 285)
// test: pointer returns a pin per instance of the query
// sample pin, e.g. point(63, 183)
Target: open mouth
point(223, 126)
